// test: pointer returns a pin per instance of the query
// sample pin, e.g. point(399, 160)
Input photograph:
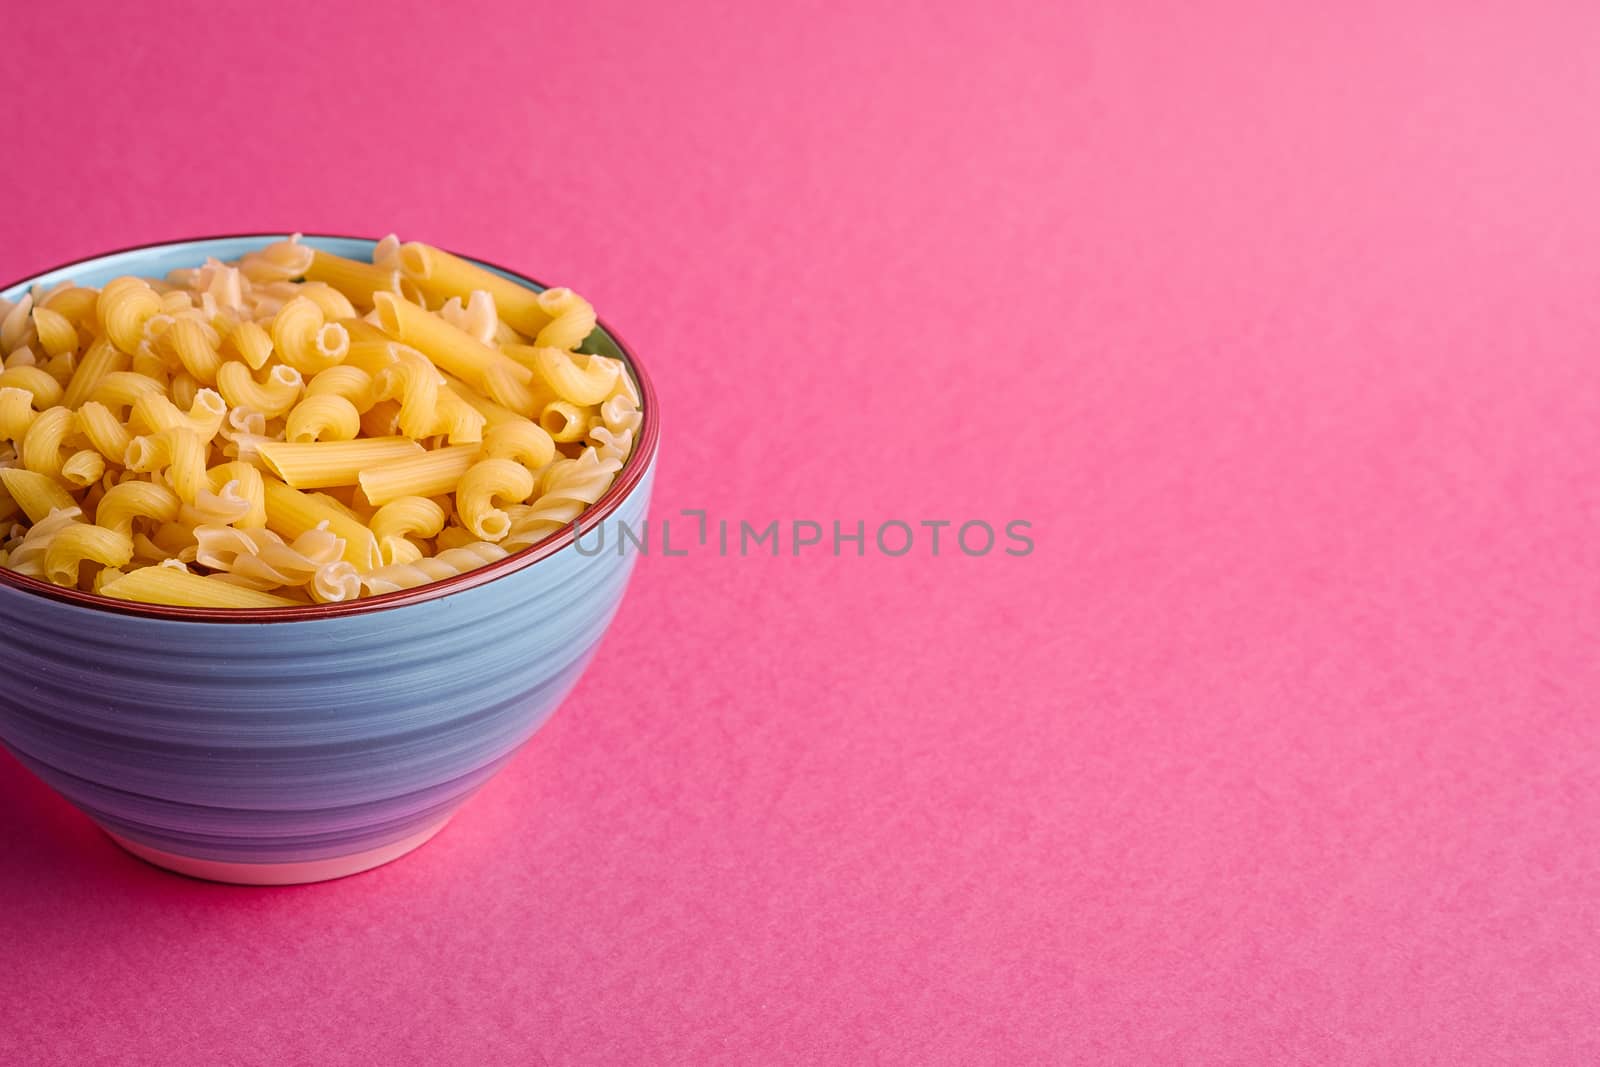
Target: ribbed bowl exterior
point(298, 741)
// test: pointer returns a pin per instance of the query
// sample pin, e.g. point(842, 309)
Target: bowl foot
point(280, 873)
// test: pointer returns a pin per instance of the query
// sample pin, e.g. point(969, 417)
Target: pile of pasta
point(296, 427)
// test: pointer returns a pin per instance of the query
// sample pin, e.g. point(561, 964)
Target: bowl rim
point(639, 462)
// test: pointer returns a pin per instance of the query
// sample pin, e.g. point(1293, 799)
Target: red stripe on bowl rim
point(632, 473)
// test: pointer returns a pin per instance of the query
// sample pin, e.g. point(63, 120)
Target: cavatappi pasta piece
point(567, 489)
point(16, 413)
point(36, 494)
point(39, 383)
point(272, 398)
point(177, 454)
point(572, 319)
point(400, 520)
point(75, 303)
point(350, 382)
point(125, 304)
point(41, 446)
point(521, 440)
point(305, 340)
point(446, 564)
point(127, 501)
point(578, 378)
point(244, 481)
point(57, 336)
point(429, 474)
point(79, 543)
point(414, 382)
point(193, 345)
point(440, 276)
point(564, 421)
point(83, 468)
point(322, 418)
point(459, 421)
point(153, 412)
point(166, 585)
point(291, 513)
point(488, 483)
point(120, 390)
point(99, 359)
point(321, 464)
point(104, 432)
point(249, 342)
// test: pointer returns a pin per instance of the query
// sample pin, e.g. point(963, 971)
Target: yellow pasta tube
point(334, 304)
point(83, 468)
point(119, 390)
point(124, 306)
point(414, 382)
point(321, 464)
point(36, 494)
point(100, 359)
point(291, 513)
point(251, 488)
point(195, 348)
point(350, 382)
point(572, 319)
point(154, 412)
point(458, 420)
point(322, 418)
point(578, 378)
point(249, 342)
point(168, 585)
point(524, 441)
point(361, 330)
point(41, 445)
point(16, 413)
point(46, 391)
point(127, 501)
point(441, 275)
point(71, 546)
point(453, 537)
point(57, 335)
point(487, 483)
point(180, 453)
point(430, 474)
point(455, 351)
point(106, 435)
point(564, 421)
point(305, 340)
point(75, 303)
point(272, 398)
point(398, 521)
point(356, 280)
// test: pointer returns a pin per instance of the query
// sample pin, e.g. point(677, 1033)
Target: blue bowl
point(290, 745)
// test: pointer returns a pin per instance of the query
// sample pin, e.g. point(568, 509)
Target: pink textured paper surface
point(1280, 323)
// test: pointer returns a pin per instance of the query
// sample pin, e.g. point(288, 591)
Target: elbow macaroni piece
point(298, 427)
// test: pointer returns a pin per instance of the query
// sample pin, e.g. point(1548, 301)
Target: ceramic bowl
point(298, 744)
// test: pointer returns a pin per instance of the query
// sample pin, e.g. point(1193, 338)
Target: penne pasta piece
point(291, 513)
point(441, 276)
point(317, 465)
point(356, 280)
point(500, 377)
point(36, 494)
point(429, 474)
point(166, 585)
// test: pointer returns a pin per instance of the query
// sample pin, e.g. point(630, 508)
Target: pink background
point(1281, 324)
